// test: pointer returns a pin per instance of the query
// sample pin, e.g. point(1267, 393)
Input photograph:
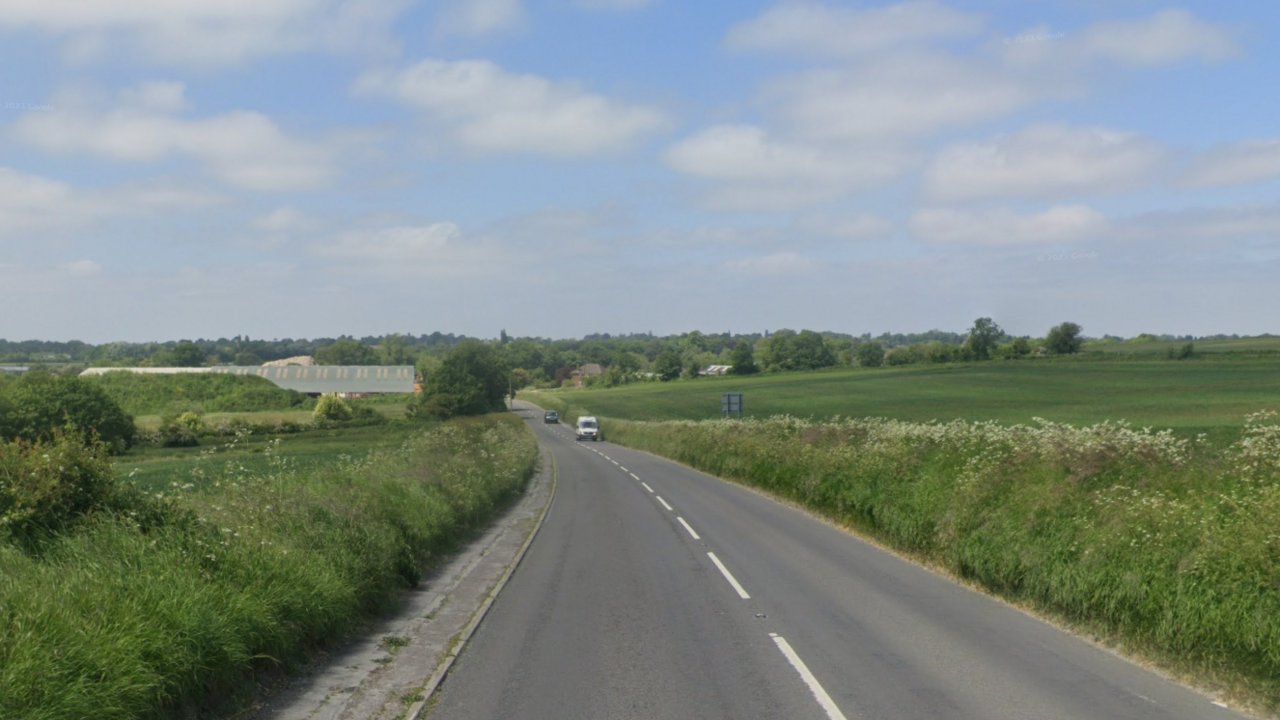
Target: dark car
point(551, 417)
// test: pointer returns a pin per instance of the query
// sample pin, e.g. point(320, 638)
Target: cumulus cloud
point(490, 109)
point(761, 172)
point(1167, 36)
point(34, 203)
point(818, 29)
point(903, 94)
point(437, 249)
point(243, 148)
point(1238, 163)
point(473, 18)
point(1001, 226)
point(196, 32)
point(1044, 160)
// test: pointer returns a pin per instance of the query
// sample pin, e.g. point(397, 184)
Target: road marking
point(664, 503)
point(646, 486)
point(815, 687)
point(686, 527)
point(635, 476)
point(623, 469)
point(727, 576)
point(615, 462)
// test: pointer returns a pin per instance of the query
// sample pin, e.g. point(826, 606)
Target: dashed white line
point(615, 462)
point(686, 527)
point(623, 469)
point(815, 687)
point(729, 576)
point(635, 476)
point(646, 486)
point(664, 503)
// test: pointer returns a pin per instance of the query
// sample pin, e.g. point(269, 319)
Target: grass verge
point(1165, 547)
point(182, 601)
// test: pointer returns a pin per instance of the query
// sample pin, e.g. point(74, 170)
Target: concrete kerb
point(442, 670)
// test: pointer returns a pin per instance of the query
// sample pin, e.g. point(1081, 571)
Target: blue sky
point(306, 168)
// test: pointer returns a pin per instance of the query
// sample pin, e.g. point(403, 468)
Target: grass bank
point(1166, 547)
point(178, 599)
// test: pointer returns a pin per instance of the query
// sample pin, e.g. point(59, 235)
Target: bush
point(905, 355)
point(1182, 352)
point(870, 354)
point(473, 379)
point(333, 408)
point(47, 486)
point(41, 405)
point(211, 392)
point(1064, 339)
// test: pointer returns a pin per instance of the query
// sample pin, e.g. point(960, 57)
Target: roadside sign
point(731, 403)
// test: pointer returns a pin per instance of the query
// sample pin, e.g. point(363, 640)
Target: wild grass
point(178, 598)
point(1167, 546)
point(140, 394)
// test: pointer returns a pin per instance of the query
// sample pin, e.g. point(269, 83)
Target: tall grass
point(178, 599)
point(1168, 546)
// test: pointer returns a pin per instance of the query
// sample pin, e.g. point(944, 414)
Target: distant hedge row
point(142, 394)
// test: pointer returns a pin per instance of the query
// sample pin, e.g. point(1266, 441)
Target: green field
point(1203, 394)
point(1252, 345)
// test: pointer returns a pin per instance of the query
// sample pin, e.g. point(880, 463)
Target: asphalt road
point(653, 591)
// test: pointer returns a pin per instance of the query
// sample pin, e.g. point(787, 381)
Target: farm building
point(576, 377)
point(346, 380)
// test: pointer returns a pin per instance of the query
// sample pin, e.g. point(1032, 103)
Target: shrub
point(1182, 352)
point(904, 355)
point(212, 392)
point(42, 405)
point(870, 354)
point(46, 486)
point(333, 408)
point(1064, 339)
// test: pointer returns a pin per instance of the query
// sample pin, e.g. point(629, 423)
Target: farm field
point(1255, 344)
point(1203, 394)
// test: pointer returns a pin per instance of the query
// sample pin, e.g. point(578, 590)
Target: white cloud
point(760, 172)
point(816, 29)
point(437, 249)
point(197, 32)
point(494, 110)
point(1167, 36)
point(243, 148)
point(473, 18)
point(1213, 224)
point(1045, 160)
point(775, 264)
point(1060, 223)
point(903, 94)
point(34, 203)
point(1238, 163)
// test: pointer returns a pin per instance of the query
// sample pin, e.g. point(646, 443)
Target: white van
point(588, 428)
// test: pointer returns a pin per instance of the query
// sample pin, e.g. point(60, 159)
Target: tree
point(41, 404)
point(667, 365)
point(472, 380)
point(743, 359)
point(397, 351)
point(1064, 339)
point(246, 358)
point(809, 351)
point(983, 338)
point(870, 354)
point(187, 354)
point(347, 352)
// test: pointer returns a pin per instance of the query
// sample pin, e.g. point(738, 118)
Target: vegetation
point(1064, 339)
point(210, 392)
point(1162, 544)
point(1207, 393)
point(38, 406)
point(743, 361)
point(472, 380)
point(152, 602)
point(347, 352)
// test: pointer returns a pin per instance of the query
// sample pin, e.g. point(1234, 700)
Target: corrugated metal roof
point(333, 378)
point(307, 379)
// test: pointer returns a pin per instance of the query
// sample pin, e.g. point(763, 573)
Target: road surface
point(653, 591)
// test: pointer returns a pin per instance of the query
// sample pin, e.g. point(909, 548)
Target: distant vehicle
point(588, 429)
point(551, 417)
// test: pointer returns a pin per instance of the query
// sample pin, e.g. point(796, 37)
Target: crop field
point(1202, 394)
point(1256, 344)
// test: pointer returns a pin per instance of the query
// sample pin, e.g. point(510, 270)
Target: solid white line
point(727, 576)
point(635, 476)
point(686, 527)
point(664, 502)
point(646, 486)
point(815, 687)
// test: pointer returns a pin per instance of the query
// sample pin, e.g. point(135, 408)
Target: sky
point(313, 168)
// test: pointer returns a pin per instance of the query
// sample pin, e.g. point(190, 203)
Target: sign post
point(731, 403)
